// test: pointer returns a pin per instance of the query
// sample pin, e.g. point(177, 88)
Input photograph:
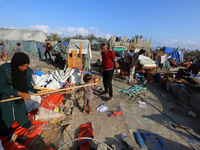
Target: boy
point(19, 49)
point(2, 52)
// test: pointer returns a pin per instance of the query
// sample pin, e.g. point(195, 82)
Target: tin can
point(191, 114)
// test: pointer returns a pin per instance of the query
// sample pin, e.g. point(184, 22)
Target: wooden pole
point(48, 92)
point(68, 61)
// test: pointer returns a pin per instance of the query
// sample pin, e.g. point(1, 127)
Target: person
point(88, 95)
point(2, 52)
point(57, 49)
point(133, 65)
point(108, 58)
point(15, 81)
point(47, 51)
point(19, 49)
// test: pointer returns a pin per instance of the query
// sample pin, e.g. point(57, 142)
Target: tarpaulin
point(85, 131)
point(20, 131)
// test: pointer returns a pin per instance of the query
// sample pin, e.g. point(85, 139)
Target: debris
point(102, 108)
point(163, 95)
point(118, 113)
point(182, 127)
point(191, 114)
point(142, 104)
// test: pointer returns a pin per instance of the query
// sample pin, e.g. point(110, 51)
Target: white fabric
point(33, 103)
point(146, 61)
point(163, 59)
point(102, 108)
point(76, 77)
point(1, 147)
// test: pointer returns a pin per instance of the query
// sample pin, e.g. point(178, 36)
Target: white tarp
point(146, 61)
point(74, 44)
point(22, 35)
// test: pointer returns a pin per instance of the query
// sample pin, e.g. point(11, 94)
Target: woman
point(15, 80)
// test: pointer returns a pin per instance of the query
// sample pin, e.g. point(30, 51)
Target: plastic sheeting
point(32, 42)
point(177, 54)
point(146, 61)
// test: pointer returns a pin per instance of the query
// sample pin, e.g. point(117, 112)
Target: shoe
point(104, 93)
point(110, 99)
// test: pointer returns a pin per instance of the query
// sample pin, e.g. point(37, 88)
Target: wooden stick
point(48, 92)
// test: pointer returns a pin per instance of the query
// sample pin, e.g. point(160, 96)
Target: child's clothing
point(88, 94)
point(19, 49)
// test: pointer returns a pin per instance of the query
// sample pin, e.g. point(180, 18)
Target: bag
point(50, 47)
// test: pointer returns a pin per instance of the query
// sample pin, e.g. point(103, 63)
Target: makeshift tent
point(175, 53)
point(74, 44)
point(32, 41)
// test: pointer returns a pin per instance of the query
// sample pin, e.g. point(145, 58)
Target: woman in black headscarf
point(15, 80)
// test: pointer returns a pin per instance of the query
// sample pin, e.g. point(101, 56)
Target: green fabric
point(9, 111)
point(135, 89)
point(119, 48)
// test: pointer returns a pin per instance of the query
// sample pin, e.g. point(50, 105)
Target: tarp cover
point(177, 54)
point(32, 41)
point(119, 48)
point(74, 44)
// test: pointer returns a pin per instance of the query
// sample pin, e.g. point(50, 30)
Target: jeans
point(47, 52)
point(107, 81)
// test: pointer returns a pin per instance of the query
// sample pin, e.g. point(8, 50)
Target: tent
point(74, 44)
point(175, 53)
point(32, 41)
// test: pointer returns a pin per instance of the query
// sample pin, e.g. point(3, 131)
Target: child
point(2, 52)
point(19, 49)
point(88, 94)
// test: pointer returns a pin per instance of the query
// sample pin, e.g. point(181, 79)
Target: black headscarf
point(19, 81)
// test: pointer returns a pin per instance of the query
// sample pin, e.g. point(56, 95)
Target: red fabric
point(2, 54)
point(20, 131)
point(85, 131)
point(54, 99)
point(49, 148)
point(47, 46)
point(107, 60)
point(14, 146)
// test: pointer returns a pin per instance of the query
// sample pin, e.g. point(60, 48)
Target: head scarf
point(19, 81)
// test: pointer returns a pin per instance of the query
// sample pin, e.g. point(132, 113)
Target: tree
point(137, 37)
point(101, 40)
point(108, 41)
point(91, 37)
point(78, 36)
point(55, 37)
point(66, 39)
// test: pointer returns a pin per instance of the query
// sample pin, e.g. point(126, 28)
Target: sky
point(169, 23)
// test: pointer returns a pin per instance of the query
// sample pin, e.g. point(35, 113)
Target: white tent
point(32, 41)
point(74, 44)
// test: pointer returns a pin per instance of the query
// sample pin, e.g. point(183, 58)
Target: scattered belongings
point(102, 108)
point(142, 104)
point(118, 113)
point(135, 89)
point(181, 127)
point(150, 141)
point(85, 131)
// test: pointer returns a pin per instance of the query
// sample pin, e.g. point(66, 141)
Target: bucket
point(157, 77)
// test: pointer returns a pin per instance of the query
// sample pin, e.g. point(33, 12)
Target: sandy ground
point(134, 118)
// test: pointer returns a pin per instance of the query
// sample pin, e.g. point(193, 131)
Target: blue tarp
point(64, 43)
point(174, 53)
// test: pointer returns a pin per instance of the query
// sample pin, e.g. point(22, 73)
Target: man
point(57, 49)
point(2, 52)
point(47, 51)
point(133, 65)
point(108, 58)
